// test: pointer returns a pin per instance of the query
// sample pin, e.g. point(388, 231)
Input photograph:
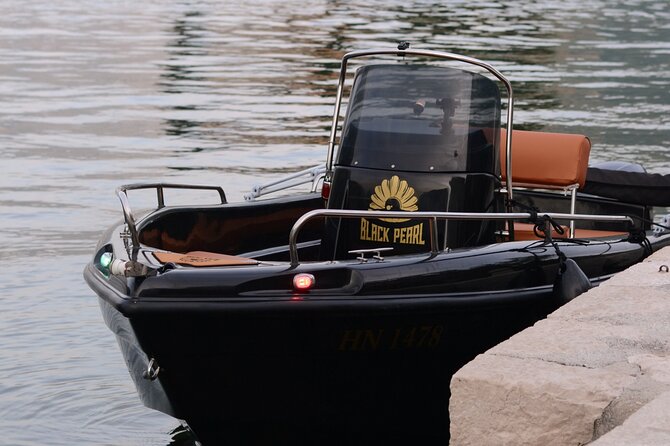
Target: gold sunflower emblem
point(394, 195)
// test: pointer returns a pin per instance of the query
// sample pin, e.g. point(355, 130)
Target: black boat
point(338, 315)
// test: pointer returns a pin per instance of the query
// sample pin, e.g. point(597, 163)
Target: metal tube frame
point(426, 53)
point(312, 174)
point(122, 193)
point(432, 217)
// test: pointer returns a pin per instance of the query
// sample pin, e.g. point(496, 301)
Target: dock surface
point(596, 371)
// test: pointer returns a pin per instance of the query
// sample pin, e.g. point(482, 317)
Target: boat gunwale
point(133, 306)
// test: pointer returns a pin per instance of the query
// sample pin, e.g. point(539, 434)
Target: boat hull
point(368, 371)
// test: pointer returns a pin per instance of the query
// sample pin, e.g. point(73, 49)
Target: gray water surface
point(96, 93)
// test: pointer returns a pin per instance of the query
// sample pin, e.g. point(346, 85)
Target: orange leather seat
point(540, 159)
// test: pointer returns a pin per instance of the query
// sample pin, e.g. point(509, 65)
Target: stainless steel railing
point(122, 193)
point(432, 217)
point(312, 174)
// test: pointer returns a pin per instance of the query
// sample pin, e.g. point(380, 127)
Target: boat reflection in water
point(339, 315)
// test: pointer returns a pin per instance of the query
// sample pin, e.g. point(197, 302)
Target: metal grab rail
point(421, 53)
point(313, 174)
point(432, 217)
point(122, 193)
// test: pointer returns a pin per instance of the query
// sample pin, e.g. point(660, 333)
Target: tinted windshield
point(421, 118)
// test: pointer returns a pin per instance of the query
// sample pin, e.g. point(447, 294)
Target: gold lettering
point(411, 235)
point(364, 229)
point(396, 335)
point(436, 336)
point(360, 340)
point(373, 233)
point(400, 235)
point(385, 237)
point(424, 331)
point(351, 340)
point(372, 339)
point(408, 340)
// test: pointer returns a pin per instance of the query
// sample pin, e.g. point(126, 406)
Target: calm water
point(99, 93)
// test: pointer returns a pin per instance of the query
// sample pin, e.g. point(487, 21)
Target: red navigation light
point(303, 281)
point(325, 190)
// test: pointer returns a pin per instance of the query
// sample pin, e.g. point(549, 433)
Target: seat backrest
point(551, 160)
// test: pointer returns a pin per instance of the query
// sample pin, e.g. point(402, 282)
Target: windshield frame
point(421, 118)
point(422, 53)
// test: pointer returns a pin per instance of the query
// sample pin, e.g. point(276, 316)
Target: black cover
point(650, 189)
point(421, 119)
point(570, 282)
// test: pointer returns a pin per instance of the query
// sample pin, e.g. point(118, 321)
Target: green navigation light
point(106, 259)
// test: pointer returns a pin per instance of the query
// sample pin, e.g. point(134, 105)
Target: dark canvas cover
point(630, 187)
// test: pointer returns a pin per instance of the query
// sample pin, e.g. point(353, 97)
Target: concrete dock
point(596, 371)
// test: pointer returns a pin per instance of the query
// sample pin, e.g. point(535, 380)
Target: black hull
point(359, 374)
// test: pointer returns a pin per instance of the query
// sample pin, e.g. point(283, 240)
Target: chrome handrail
point(122, 193)
point(315, 174)
point(432, 217)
